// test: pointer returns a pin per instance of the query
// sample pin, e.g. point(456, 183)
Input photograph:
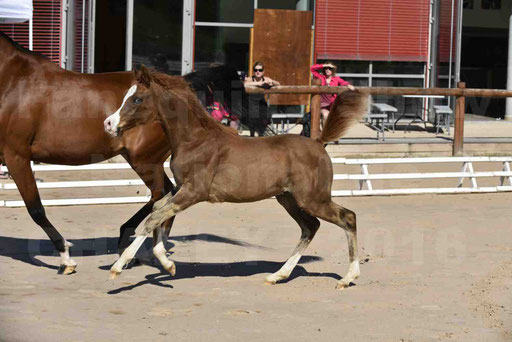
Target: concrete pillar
point(508, 110)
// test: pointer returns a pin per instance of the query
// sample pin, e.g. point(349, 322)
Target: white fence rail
point(364, 178)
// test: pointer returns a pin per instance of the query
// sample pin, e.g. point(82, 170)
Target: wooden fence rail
point(460, 93)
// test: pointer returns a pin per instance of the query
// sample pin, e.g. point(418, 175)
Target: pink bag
point(217, 111)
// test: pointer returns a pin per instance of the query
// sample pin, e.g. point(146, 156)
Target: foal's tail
point(348, 107)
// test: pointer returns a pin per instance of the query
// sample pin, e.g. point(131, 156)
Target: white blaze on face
point(112, 121)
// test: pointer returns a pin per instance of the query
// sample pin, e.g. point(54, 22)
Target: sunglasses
point(258, 70)
point(328, 68)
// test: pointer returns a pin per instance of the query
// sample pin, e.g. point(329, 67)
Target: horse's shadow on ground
point(27, 251)
point(188, 270)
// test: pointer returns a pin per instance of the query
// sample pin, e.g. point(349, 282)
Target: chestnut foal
point(212, 163)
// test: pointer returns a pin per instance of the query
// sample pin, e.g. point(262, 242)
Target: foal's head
point(138, 106)
point(164, 98)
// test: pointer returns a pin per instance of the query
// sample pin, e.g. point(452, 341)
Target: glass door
point(157, 34)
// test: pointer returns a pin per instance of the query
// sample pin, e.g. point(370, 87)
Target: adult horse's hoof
point(113, 275)
point(66, 269)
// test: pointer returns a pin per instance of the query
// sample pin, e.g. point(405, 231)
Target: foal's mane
point(181, 89)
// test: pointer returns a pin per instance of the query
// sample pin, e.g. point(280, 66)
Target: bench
point(443, 117)
point(284, 119)
point(383, 117)
point(376, 121)
point(384, 108)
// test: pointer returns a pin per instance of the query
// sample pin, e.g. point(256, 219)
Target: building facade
point(373, 42)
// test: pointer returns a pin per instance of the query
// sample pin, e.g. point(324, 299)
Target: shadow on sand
point(27, 251)
point(186, 270)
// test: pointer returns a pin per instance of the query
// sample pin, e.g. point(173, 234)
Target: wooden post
point(251, 42)
point(460, 106)
point(315, 111)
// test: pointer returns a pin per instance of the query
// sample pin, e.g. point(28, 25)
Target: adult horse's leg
point(163, 210)
point(345, 219)
point(156, 180)
point(21, 172)
point(309, 226)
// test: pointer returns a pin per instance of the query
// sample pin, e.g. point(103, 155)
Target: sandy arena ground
point(434, 268)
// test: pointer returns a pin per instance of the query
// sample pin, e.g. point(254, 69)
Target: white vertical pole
point(458, 44)
point(450, 65)
point(92, 34)
point(187, 44)
point(508, 110)
point(129, 34)
point(82, 39)
point(30, 34)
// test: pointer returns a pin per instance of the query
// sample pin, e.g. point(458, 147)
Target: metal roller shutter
point(378, 30)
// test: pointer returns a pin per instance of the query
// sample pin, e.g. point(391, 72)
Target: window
point(468, 4)
point(491, 4)
point(224, 45)
point(398, 68)
point(226, 11)
point(349, 67)
point(157, 31)
point(301, 5)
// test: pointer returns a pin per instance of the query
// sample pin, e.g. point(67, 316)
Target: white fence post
point(364, 171)
point(506, 167)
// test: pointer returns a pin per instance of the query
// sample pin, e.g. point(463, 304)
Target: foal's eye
point(137, 100)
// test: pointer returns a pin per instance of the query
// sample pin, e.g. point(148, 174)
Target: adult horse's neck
point(12, 55)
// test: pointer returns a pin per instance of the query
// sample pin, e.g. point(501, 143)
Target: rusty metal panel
point(282, 42)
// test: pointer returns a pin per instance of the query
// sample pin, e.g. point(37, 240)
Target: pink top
point(327, 99)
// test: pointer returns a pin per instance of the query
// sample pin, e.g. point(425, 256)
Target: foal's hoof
point(66, 269)
point(272, 279)
point(113, 275)
point(171, 269)
point(342, 286)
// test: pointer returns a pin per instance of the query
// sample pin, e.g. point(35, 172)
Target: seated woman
point(327, 73)
point(258, 108)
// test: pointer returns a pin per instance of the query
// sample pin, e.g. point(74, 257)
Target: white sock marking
point(128, 254)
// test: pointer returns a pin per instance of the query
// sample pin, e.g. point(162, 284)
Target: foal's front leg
point(163, 210)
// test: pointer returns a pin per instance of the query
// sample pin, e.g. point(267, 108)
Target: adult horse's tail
point(348, 107)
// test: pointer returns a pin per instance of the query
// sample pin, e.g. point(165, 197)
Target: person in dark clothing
point(258, 107)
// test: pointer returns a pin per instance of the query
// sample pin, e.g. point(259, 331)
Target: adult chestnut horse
point(212, 163)
point(51, 115)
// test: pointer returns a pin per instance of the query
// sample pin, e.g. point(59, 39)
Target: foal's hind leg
point(309, 226)
point(21, 172)
point(160, 252)
point(346, 219)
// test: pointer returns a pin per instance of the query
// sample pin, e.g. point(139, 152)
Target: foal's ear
point(144, 76)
